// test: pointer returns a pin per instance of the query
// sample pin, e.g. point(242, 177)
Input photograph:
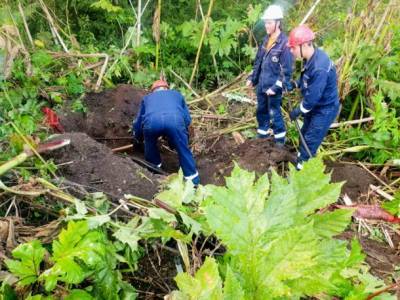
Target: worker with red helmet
point(271, 75)
point(318, 85)
point(164, 112)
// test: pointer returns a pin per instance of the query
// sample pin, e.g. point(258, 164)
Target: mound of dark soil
point(357, 180)
point(257, 155)
point(109, 115)
point(96, 167)
point(109, 118)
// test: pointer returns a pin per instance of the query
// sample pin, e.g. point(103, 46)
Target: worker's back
point(165, 102)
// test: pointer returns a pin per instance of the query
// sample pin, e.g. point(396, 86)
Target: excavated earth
point(90, 161)
point(107, 124)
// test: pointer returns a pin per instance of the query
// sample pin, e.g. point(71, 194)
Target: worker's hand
point(270, 92)
point(249, 83)
point(295, 113)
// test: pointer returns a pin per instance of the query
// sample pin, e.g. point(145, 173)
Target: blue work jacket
point(318, 82)
point(272, 68)
point(159, 103)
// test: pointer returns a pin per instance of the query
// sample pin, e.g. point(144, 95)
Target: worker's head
point(301, 42)
point(272, 18)
point(159, 85)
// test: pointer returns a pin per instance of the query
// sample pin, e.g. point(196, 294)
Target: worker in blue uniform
point(164, 112)
point(271, 75)
point(318, 85)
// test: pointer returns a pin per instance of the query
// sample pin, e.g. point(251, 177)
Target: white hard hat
point(273, 12)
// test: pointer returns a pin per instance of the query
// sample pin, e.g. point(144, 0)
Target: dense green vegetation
point(61, 57)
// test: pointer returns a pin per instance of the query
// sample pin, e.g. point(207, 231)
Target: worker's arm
point(314, 90)
point(255, 75)
point(138, 123)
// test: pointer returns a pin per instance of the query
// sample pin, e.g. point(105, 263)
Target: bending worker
point(271, 73)
point(163, 112)
point(318, 86)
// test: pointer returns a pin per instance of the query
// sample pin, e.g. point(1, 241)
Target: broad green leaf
point(393, 206)
point(276, 237)
point(129, 234)
point(232, 287)
point(162, 214)
point(106, 5)
point(27, 264)
point(97, 221)
point(292, 199)
point(194, 226)
point(79, 295)
point(178, 191)
point(76, 251)
point(235, 212)
point(332, 223)
point(206, 284)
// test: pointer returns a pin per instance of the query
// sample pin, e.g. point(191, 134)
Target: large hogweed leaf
point(77, 251)
point(279, 242)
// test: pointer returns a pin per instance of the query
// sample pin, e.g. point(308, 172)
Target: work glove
point(295, 113)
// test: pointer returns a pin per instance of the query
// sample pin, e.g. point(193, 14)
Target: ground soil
point(357, 180)
point(109, 115)
point(97, 168)
point(109, 118)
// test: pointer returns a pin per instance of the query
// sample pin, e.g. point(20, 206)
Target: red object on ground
point(371, 212)
point(52, 119)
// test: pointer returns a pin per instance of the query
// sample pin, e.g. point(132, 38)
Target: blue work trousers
point(171, 126)
point(269, 114)
point(315, 128)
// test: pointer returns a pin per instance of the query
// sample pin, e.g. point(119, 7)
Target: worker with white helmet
point(271, 75)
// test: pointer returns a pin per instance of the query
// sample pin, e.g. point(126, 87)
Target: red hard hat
point(300, 35)
point(159, 83)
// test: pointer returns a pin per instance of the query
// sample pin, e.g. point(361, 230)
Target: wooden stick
point(309, 12)
point(201, 41)
point(100, 55)
point(139, 29)
point(376, 177)
point(28, 33)
point(380, 192)
point(184, 82)
point(53, 26)
point(335, 125)
point(122, 148)
point(390, 287)
point(102, 71)
point(219, 90)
